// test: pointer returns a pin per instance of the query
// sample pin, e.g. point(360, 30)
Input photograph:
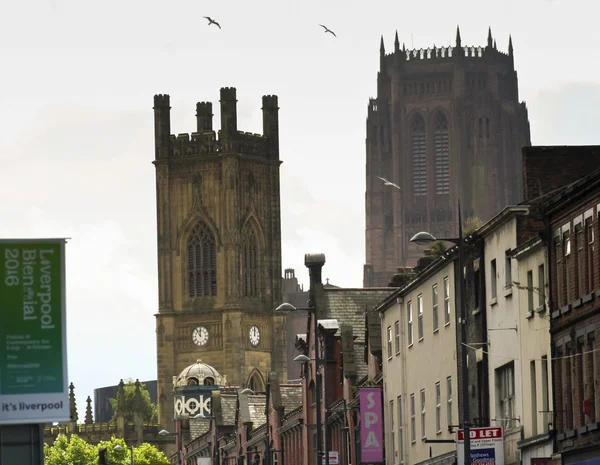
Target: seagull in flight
point(389, 183)
point(212, 21)
point(328, 30)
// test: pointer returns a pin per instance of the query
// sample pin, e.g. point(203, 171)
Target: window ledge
point(446, 324)
point(436, 330)
point(477, 311)
point(493, 301)
point(507, 291)
point(576, 303)
point(410, 346)
point(593, 426)
point(421, 339)
point(529, 314)
point(540, 309)
point(438, 433)
point(587, 298)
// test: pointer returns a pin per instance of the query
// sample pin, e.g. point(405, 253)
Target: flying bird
point(389, 183)
point(212, 21)
point(328, 30)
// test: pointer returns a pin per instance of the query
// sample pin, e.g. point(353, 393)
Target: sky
point(77, 80)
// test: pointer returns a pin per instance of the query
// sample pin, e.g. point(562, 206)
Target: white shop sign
point(487, 446)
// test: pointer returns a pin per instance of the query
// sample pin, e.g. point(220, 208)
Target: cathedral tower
point(219, 248)
point(446, 124)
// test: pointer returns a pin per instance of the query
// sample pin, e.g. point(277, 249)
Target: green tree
point(147, 454)
point(76, 451)
point(70, 451)
point(147, 408)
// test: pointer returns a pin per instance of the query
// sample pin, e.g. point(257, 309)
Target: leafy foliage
point(147, 408)
point(471, 225)
point(73, 451)
point(438, 249)
point(76, 451)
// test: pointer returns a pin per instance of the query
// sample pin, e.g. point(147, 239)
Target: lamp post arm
point(318, 387)
point(463, 350)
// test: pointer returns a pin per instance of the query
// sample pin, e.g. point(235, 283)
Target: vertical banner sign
point(371, 425)
point(33, 349)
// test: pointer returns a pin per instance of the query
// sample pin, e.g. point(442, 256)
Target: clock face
point(254, 335)
point(200, 336)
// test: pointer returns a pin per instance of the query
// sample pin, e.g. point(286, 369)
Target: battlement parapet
point(446, 53)
point(207, 141)
point(228, 93)
point(245, 143)
point(98, 432)
point(162, 100)
point(270, 102)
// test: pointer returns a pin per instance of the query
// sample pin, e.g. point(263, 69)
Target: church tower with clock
point(219, 248)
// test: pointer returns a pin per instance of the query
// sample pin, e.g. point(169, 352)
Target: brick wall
point(575, 318)
point(548, 168)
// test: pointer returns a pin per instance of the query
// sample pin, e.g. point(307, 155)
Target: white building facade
point(420, 369)
point(535, 353)
point(502, 316)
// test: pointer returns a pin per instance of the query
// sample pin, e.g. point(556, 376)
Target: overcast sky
point(78, 78)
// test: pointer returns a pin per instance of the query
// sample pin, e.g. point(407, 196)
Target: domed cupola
point(193, 389)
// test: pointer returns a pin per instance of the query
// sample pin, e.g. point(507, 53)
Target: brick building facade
point(349, 338)
point(446, 124)
point(574, 294)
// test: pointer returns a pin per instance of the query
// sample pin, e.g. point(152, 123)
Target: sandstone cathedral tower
point(446, 124)
point(219, 248)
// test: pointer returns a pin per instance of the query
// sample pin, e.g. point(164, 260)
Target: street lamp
point(425, 238)
point(120, 447)
point(267, 420)
point(164, 432)
point(287, 308)
point(216, 439)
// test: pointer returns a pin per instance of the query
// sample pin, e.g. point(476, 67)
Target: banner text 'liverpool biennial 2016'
point(33, 354)
point(371, 425)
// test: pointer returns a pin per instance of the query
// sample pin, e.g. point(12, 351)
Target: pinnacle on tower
point(72, 403)
point(495, 46)
point(510, 45)
point(458, 41)
point(490, 40)
point(382, 47)
point(89, 419)
point(396, 43)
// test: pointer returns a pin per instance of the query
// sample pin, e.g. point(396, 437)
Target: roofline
point(570, 193)
point(337, 289)
point(505, 214)
point(527, 247)
point(447, 257)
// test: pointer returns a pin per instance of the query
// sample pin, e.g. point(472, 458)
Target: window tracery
point(419, 156)
point(202, 262)
point(442, 155)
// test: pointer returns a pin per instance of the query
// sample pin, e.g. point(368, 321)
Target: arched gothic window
point(419, 156)
point(250, 266)
point(442, 155)
point(202, 262)
point(255, 382)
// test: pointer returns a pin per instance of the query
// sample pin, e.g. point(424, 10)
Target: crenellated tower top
point(205, 141)
point(440, 54)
